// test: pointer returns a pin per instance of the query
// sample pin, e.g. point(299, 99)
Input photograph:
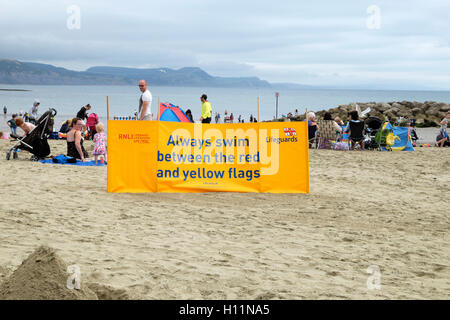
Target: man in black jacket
point(82, 113)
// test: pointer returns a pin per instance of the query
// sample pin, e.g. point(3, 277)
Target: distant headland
point(17, 73)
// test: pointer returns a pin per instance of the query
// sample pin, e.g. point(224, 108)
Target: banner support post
point(107, 108)
point(258, 110)
point(159, 107)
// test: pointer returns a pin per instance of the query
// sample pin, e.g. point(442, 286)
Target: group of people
point(73, 128)
point(145, 101)
point(230, 118)
point(337, 123)
point(94, 129)
point(442, 139)
point(75, 139)
point(25, 121)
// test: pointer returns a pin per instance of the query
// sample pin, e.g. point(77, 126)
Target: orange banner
point(158, 156)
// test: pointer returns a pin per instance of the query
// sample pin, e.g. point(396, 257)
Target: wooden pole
point(258, 110)
point(107, 108)
point(159, 104)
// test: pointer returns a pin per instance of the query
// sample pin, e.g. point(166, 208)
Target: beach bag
point(340, 146)
point(54, 136)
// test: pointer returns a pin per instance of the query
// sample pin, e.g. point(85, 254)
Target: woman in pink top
point(91, 122)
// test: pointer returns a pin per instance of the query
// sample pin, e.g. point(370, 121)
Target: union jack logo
point(289, 132)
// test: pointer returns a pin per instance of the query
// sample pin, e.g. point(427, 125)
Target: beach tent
point(173, 113)
point(401, 137)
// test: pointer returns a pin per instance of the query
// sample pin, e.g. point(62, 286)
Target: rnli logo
point(290, 132)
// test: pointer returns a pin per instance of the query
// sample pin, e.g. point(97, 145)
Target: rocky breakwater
point(427, 114)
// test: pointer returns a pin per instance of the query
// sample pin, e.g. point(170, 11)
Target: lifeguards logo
point(290, 132)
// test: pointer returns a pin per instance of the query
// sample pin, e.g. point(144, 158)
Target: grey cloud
point(320, 42)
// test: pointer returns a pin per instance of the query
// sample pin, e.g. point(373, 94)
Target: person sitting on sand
point(75, 147)
point(25, 126)
point(100, 142)
point(443, 136)
point(66, 125)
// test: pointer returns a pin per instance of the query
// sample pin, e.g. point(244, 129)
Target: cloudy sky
point(364, 44)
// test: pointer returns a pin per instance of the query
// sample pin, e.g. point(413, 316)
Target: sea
point(124, 100)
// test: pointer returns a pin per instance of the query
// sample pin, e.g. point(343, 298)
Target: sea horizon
point(123, 99)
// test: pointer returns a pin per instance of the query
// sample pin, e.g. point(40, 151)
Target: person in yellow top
point(206, 109)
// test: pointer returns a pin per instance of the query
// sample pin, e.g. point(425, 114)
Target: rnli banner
point(158, 156)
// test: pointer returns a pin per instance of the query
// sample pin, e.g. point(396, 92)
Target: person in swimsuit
point(75, 147)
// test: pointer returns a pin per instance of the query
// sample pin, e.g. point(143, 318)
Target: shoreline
point(426, 135)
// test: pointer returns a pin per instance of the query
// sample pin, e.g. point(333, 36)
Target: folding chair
point(313, 136)
point(327, 133)
point(356, 133)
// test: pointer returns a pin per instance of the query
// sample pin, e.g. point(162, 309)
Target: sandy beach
point(385, 209)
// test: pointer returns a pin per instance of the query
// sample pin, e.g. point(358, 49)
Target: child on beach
point(100, 142)
point(11, 123)
point(443, 136)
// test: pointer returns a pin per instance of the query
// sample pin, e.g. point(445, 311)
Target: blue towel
point(62, 159)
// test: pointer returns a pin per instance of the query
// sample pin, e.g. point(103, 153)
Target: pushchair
point(373, 126)
point(35, 141)
point(414, 136)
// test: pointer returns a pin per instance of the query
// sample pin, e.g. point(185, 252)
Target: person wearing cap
point(206, 109)
point(34, 111)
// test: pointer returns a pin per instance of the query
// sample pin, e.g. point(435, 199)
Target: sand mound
point(108, 293)
point(42, 276)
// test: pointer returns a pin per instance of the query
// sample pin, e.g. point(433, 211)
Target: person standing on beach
point(5, 111)
point(12, 124)
point(34, 111)
point(82, 113)
point(145, 102)
point(206, 109)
